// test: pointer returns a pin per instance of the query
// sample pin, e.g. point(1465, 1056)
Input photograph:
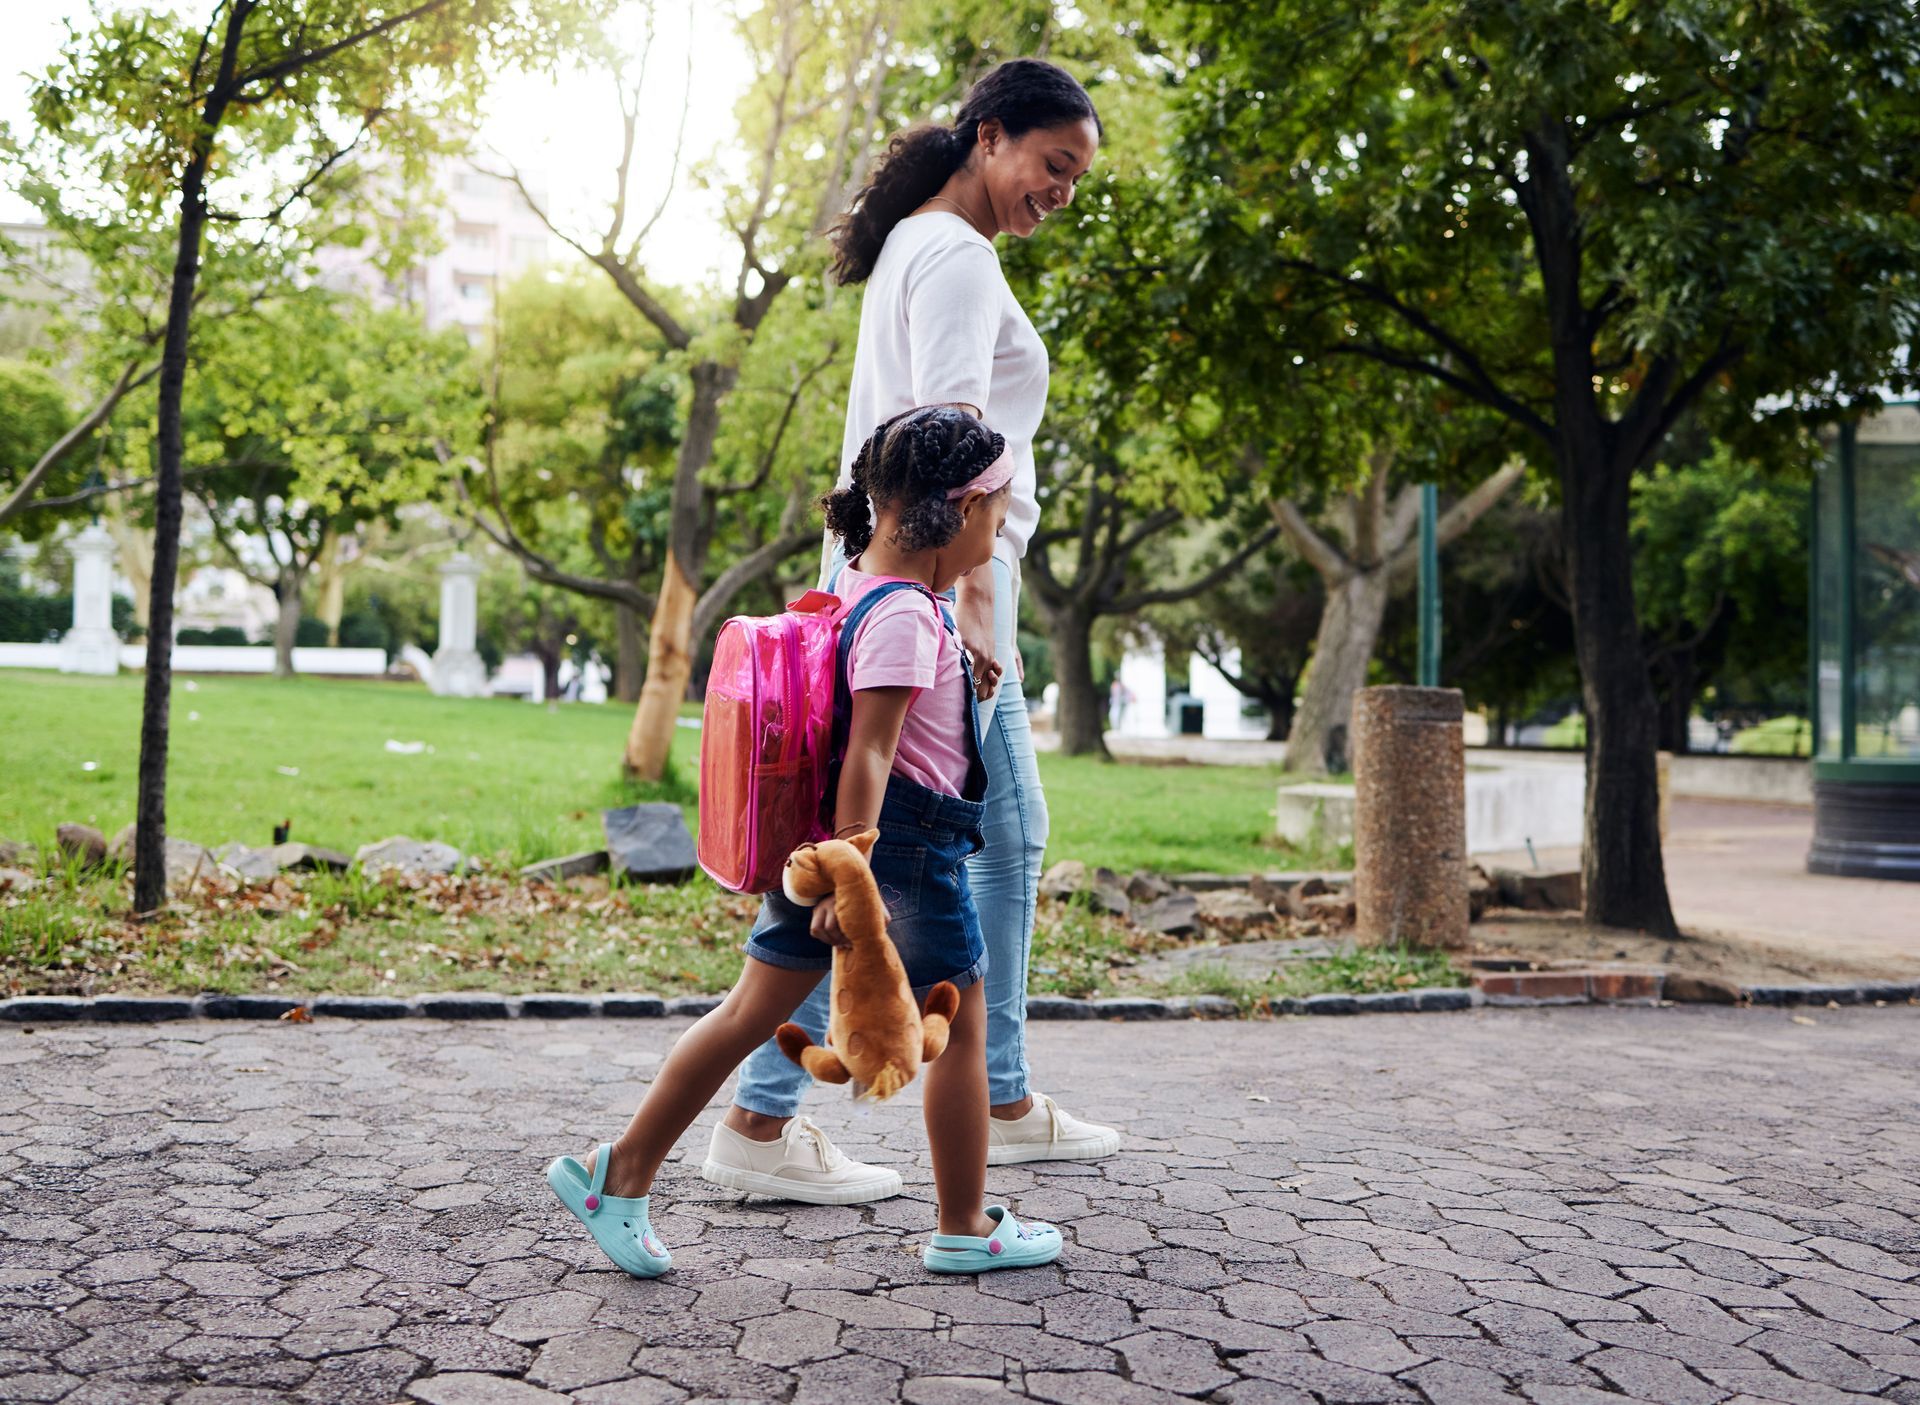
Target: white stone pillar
point(1143, 696)
point(458, 670)
point(91, 645)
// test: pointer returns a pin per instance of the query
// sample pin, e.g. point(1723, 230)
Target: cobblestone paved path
point(1683, 1205)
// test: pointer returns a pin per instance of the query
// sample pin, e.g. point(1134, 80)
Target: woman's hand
point(973, 613)
point(826, 923)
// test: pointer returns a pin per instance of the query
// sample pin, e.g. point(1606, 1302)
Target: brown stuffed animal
point(876, 1036)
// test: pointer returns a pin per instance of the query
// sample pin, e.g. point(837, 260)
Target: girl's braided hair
point(912, 462)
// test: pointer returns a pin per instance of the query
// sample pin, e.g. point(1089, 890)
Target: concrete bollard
point(1410, 817)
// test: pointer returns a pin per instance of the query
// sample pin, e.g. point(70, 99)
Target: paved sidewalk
point(1682, 1205)
point(1740, 869)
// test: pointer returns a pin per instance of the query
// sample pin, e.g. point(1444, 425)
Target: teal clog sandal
point(1012, 1245)
point(618, 1224)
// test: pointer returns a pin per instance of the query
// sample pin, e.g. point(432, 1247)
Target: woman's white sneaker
point(801, 1164)
point(1046, 1133)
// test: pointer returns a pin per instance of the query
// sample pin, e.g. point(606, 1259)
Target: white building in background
point(489, 235)
point(1139, 704)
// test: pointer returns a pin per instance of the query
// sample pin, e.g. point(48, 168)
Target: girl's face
point(1030, 177)
point(972, 546)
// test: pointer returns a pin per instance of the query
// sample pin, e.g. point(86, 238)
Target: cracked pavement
point(1562, 1206)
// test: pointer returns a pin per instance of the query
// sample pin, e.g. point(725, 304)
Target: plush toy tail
point(936, 1021)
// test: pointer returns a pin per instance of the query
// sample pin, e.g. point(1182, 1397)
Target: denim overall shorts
point(919, 862)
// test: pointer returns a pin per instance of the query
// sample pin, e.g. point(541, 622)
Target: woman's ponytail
point(916, 163)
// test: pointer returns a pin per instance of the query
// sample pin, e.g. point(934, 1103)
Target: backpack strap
point(849, 625)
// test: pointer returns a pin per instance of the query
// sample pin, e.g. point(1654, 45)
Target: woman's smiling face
point(1031, 176)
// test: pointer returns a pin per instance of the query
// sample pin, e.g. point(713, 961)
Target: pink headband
point(992, 479)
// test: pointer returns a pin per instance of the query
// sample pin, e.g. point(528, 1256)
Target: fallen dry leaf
point(299, 1014)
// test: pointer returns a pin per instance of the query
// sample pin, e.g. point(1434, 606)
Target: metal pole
point(1429, 587)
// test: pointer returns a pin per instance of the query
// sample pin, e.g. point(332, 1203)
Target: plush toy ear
point(865, 842)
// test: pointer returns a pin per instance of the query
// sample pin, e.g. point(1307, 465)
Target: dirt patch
point(1546, 938)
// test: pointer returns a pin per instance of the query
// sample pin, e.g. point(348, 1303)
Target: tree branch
point(294, 62)
point(130, 377)
point(765, 471)
point(1327, 560)
point(616, 268)
point(1140, 600)
point(1513, 409)
point(319, 172)
point(1455, 521)
point(546, 572)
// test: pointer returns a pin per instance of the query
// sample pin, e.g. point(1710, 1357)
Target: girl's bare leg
point(700, 1063)
point(956, 1111)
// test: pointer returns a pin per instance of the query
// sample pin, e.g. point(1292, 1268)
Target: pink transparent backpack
point(767, 737)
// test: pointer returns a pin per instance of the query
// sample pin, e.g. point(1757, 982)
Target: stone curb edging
point(473, 1005)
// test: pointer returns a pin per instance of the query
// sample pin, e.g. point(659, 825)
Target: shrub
point(226, 635)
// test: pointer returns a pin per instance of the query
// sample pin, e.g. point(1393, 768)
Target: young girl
point(928, 497)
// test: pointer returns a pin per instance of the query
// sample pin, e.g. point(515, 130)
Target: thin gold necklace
point(948, 200)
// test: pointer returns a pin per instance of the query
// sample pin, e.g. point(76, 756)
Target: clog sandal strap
point(598, 1184)
point(958, 1241)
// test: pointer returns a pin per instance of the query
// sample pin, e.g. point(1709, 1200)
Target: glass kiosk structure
point(1866, 649)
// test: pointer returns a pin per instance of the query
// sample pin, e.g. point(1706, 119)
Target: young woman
point(939, 325)
point(929, 496)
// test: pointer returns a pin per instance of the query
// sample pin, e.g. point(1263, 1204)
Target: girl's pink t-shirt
point(902, 643)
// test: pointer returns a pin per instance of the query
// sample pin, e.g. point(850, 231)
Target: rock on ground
point(409, 855)
point(649, 843)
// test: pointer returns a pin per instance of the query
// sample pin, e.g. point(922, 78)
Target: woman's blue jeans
point(1005, 878)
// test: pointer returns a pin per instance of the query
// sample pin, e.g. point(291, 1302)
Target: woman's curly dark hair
point(1022, 93)
point(911, 463)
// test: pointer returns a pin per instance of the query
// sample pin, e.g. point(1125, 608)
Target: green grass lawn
point(502, 778)
point(508, 783)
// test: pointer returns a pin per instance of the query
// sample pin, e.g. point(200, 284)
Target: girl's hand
point(973, 614)
point(826, 924)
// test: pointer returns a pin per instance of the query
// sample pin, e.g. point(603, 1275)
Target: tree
point(1588, 221)
point(313, 419)
point(1373, 550)
point(813, 110)
point(585, 423)
point(1720, 580)
point(1101, 535)
point(273, 96)
point(1255, 628)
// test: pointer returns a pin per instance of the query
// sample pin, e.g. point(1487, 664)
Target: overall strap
point(849, 624)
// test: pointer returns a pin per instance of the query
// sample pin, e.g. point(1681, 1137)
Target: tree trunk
point(1280, 712)
point(1675, 699)
point(150, 830)
point(550, 652)
point(669, 656)
point(1625, 878)
point(1082, 718)
point(332, 573)
point(286, 624)
point(1342, 649)
point(669, 666)
point(627, 671)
